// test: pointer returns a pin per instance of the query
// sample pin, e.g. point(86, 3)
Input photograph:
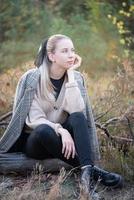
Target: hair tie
point(40, 48)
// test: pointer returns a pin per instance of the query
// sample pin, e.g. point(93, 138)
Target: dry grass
point(58, 187)
point(8, 82)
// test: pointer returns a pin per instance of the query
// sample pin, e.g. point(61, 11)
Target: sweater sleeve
point(37, 116)
point(73, 101)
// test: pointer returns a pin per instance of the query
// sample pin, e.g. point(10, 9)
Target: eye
point(64, 51)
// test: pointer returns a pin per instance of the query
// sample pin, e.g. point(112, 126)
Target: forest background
point(103, 35)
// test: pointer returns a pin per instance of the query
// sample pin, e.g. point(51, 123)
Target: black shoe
point(107, 178)
point(86, 178)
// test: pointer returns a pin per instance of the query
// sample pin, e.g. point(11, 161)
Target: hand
point(68, 147)
point(77, 62)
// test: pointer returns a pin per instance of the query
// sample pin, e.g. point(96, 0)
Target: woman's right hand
point(77, 63)
point(68, 147)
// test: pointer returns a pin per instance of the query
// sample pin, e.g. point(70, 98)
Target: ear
point(51, 57)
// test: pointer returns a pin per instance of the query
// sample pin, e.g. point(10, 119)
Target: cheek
point(62, 58)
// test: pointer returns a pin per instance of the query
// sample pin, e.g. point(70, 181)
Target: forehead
point(64, 43)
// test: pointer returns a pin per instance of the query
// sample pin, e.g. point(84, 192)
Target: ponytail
point(42, 54)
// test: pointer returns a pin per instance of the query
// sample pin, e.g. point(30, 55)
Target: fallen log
point(18, 163)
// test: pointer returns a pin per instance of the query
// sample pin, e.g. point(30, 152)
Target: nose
point(71, 54)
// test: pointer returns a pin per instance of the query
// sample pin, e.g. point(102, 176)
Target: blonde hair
point(44, 64)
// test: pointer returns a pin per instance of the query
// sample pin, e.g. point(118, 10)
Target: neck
point(56, 72)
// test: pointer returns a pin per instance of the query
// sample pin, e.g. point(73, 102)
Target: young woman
point(52, 116)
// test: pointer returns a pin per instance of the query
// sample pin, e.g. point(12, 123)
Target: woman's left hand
point(68, 147)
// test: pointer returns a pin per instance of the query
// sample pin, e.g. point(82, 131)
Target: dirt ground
point(53, 187)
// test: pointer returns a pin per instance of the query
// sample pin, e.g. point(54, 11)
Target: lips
point(70, 62)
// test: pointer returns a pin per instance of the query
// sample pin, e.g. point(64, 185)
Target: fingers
point(68, 149)
point(63, 147)
point(73, 151)
point(77, 62)
point(67, 152)
point(79, 58)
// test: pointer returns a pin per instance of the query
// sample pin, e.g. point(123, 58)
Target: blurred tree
point(20, 18)
point(122, 15)
point(124, 20)
point(67, 8)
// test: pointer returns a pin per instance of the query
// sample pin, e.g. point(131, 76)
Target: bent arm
point(73, 101)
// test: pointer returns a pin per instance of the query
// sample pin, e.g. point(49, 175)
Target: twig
point(120, 140)
point(112, 120)
point(4, 123)
point(115, 138)
point(102, 114)
point(3, 117)
point(130, 128)
point(104, 129)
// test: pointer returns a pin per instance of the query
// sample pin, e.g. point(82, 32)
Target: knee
point(77, 115)
point(76, 118)
point(43, 131)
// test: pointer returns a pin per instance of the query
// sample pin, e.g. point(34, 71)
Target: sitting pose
point(52, 116)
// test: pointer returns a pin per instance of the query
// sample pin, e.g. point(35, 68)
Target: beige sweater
point(55, 113)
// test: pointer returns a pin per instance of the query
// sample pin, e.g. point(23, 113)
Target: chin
point(68, 67)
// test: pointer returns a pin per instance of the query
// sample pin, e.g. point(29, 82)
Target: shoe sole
point(120, 184)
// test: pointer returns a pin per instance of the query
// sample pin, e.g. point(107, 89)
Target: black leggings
point(44, 143)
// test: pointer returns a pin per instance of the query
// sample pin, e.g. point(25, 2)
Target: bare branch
point(103, 128)
point(3, 117)
point(114, 138)
point(111, 121)
point(130, 128)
